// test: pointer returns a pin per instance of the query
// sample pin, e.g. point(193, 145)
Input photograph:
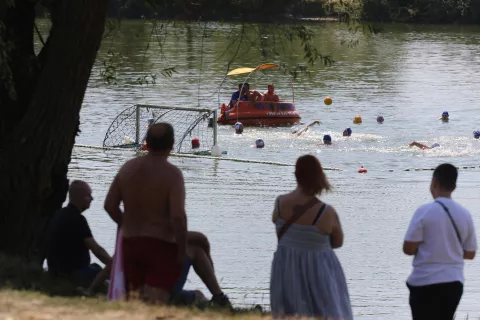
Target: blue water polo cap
point(238, 127)
point(445, 113)
point(327, 138)
point(259, 143)
point(348, 131)
point(476, 134)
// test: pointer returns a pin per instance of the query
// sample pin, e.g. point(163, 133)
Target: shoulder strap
point(277, 204)
point(451, 219)
point(298, 211)
point(320, 212)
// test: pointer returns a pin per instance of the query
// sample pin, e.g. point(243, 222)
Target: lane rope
point(194, 156)
point(284, 164)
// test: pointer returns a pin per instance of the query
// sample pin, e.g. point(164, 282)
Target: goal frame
point(138, 107)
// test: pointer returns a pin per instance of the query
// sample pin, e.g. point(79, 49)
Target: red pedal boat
point(259, 113)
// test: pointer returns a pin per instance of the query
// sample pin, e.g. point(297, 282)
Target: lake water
point(409, 74)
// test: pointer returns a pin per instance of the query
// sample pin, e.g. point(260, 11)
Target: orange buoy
point(328, 101)
point(357, 119)
point(362, 170)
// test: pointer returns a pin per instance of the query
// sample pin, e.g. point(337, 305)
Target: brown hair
point(310, 175)
point(160, 137)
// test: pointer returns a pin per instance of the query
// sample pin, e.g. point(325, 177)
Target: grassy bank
point(27, 305)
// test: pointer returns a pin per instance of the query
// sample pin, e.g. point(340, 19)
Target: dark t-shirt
point(66, 250)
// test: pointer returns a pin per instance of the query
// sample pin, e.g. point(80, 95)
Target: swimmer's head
point(347, 132)
point(327, 139)
point(445, 115)
point(435, 145)
point(380, 119)
point(238, 128)
point(259, 143)
point(476, 134)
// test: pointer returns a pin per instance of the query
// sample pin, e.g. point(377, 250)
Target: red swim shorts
point(151, 262)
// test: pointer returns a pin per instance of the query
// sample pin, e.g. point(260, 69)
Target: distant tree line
point(423, 11)
point(416, 11)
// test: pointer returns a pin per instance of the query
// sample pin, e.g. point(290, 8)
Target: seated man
point(199, 257)
point(270, 94)
point(236, 95)
point(422, 146)
point(253, 95)
point(70, 239)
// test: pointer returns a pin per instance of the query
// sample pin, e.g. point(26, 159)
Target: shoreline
point(19, 305)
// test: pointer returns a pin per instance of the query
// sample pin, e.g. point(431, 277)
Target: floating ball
point(238, 128)
point(328, 101)
point(259, 143)
point(195, 143)
point(216, 151)
point(357, 119)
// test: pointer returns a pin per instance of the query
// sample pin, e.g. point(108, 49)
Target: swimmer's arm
point(112, 201)
point(176, 200)
point(417, 144)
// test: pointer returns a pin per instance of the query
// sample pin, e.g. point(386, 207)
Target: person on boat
point(270, 94)
point(422, 146)
point(236, 95)
point(299, 132)
point(253, 95)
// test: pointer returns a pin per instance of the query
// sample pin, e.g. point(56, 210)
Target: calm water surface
point(410, 75)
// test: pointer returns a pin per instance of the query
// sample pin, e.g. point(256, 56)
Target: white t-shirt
point(439, 258)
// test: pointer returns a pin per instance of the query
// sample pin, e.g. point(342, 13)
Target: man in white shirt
point(440, 236)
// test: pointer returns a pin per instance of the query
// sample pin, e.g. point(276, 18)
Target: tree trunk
point(36, 143)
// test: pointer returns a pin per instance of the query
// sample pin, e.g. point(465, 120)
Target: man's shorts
point(152, 262)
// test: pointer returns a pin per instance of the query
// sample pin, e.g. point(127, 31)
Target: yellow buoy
point(328, 101)
point(357, 119)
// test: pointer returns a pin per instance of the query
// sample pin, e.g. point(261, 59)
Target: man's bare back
point(151, 189)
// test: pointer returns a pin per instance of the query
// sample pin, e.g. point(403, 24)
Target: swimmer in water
point(347, 132)
point(445, 116)
point(299, 132)
point(422, 146)
point(476, 134)
point(327, 139)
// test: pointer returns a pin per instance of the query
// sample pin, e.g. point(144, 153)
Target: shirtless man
point(270, 94)
point(154, 223)
point(253, 95)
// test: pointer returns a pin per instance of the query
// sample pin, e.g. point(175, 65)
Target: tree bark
point(36, 146)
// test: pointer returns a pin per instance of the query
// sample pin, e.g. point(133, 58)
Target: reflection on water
point(409, 74)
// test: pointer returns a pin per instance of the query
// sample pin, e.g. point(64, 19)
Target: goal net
point(129, 128)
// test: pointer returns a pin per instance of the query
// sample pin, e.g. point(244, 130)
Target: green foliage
point(18, 274)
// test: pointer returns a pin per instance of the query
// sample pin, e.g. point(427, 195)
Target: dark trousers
point(436, 301)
